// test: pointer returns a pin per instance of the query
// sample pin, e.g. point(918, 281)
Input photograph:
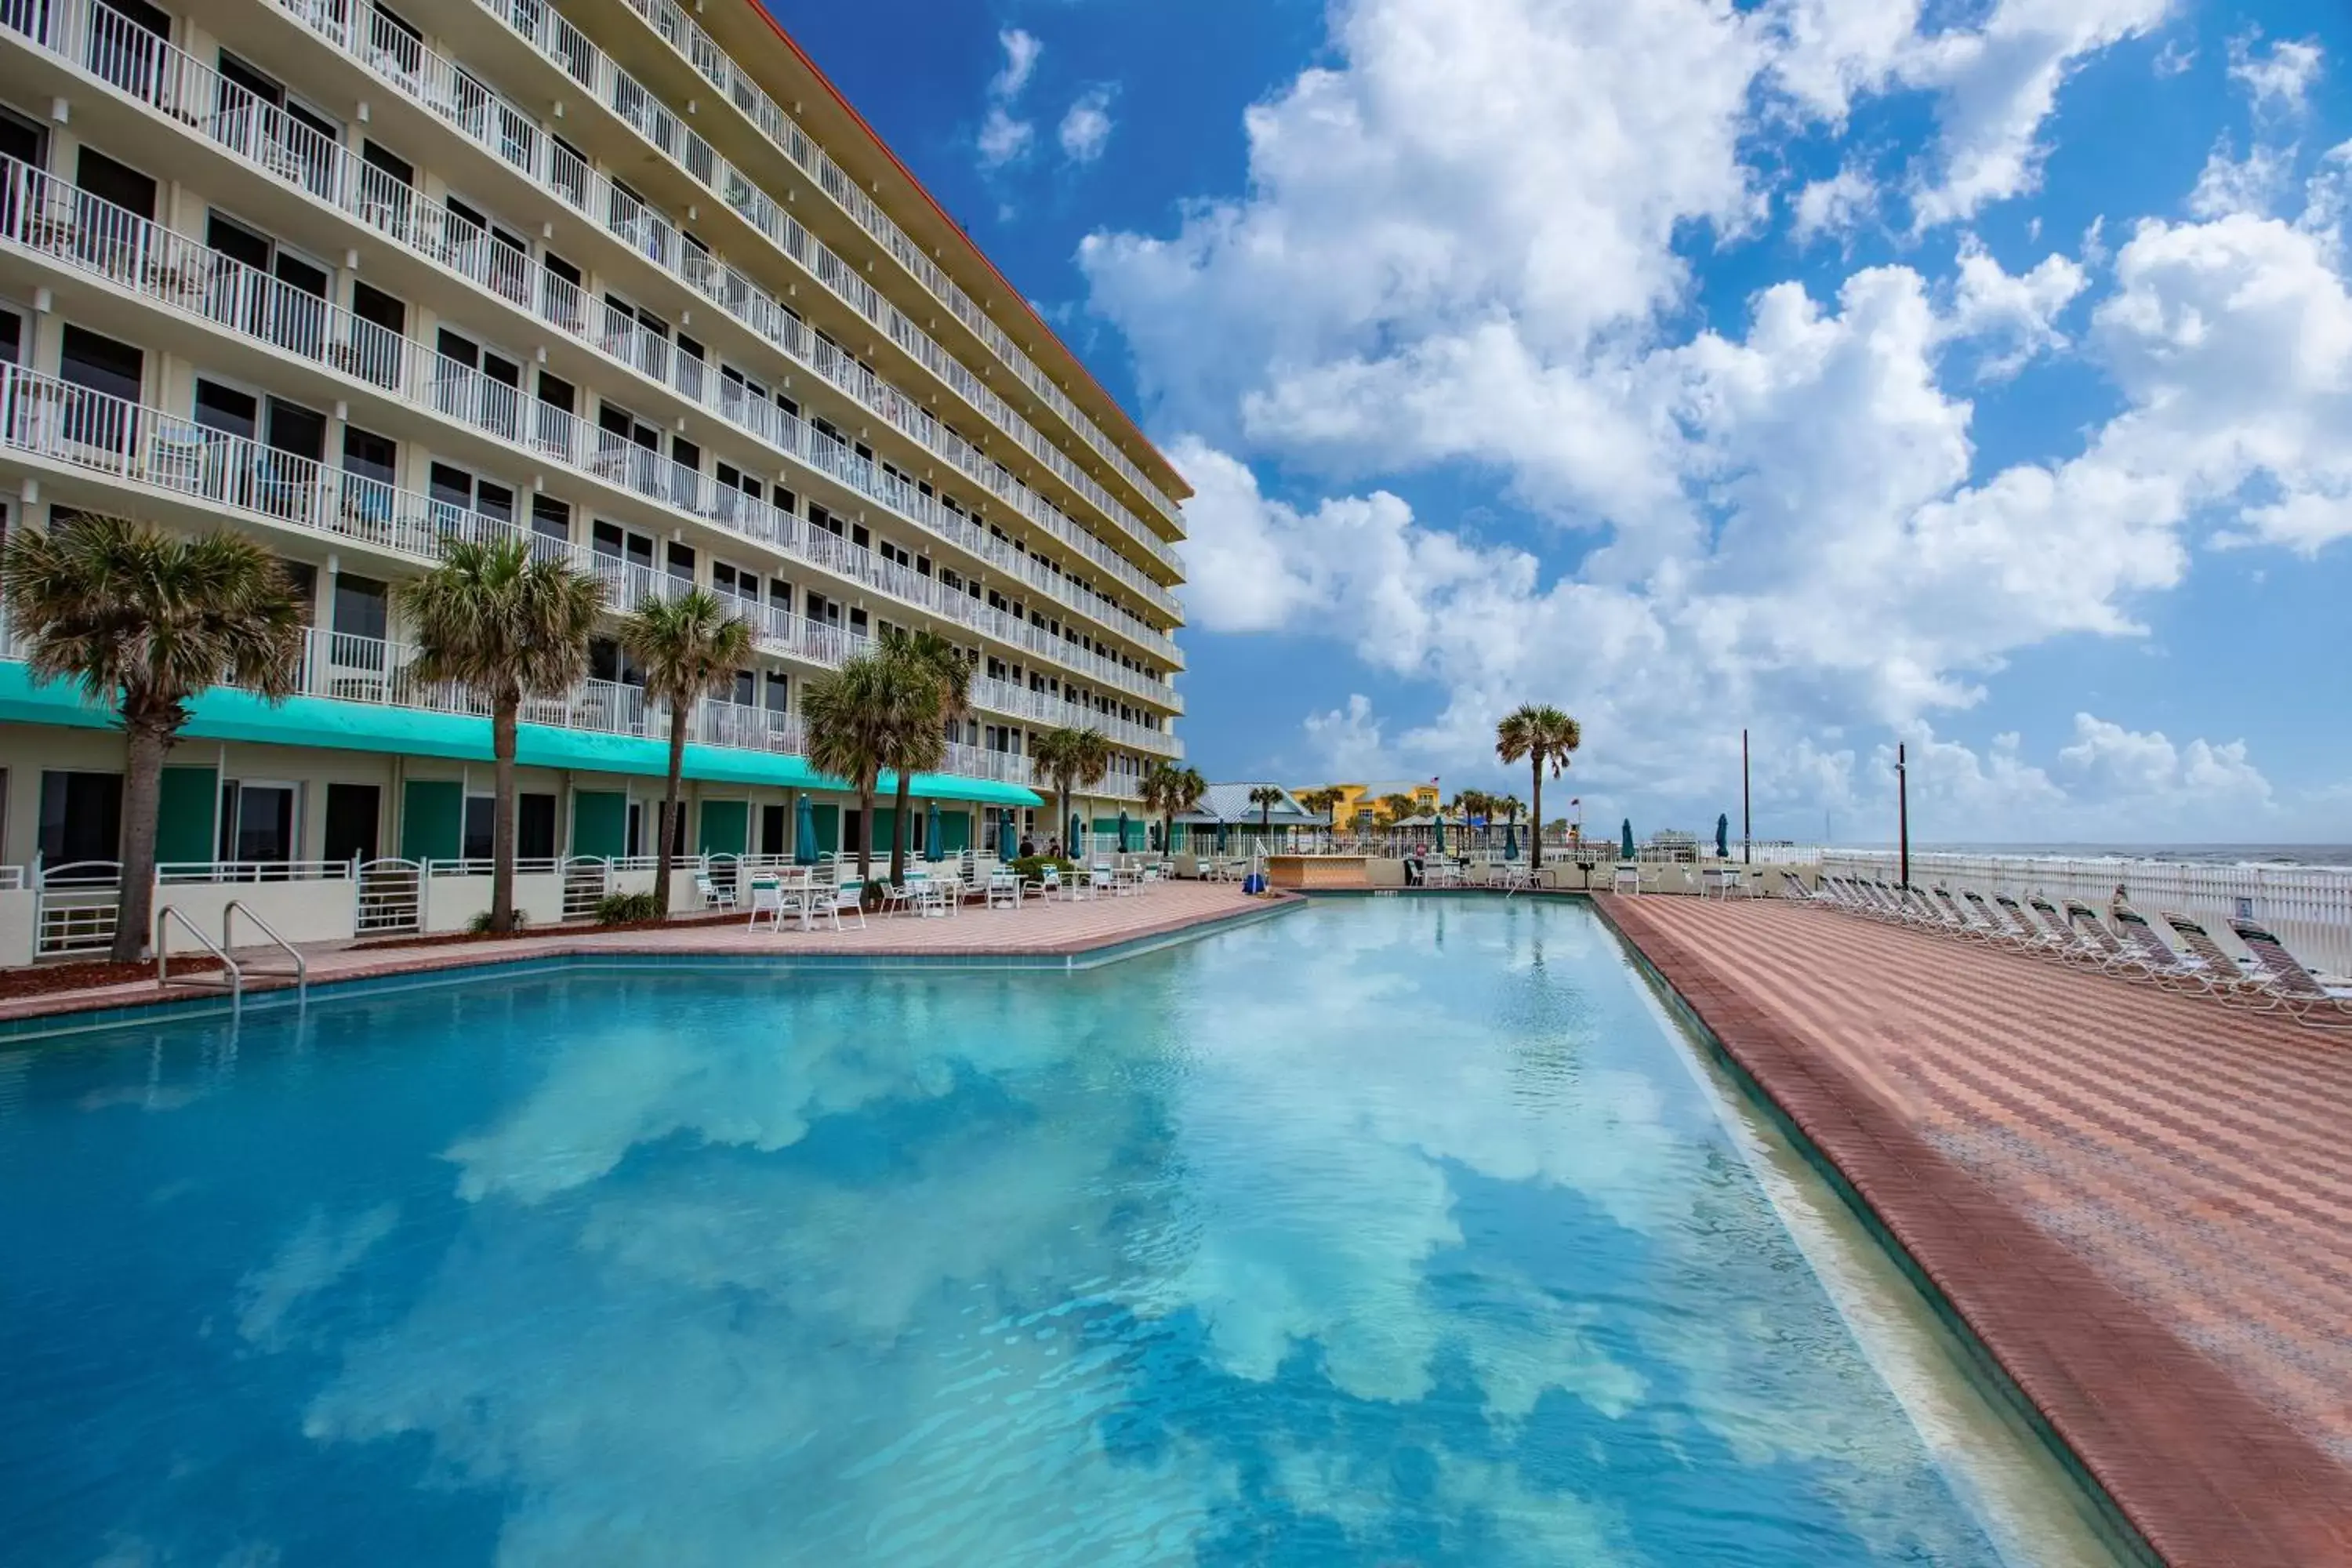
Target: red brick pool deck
point(1037, 929)
point(2141, 1203)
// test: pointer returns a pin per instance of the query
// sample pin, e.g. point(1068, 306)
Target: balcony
point(92, 38)
point(213, 472)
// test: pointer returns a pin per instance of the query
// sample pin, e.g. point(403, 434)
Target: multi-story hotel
point(628, 281)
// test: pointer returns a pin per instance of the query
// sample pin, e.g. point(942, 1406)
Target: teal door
point(600, 823)
point(186, 813)
point(431, 819)
point(724, 825)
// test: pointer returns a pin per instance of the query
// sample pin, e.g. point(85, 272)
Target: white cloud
point(1005, 137)
point(2019, 311)
point(1021, 51)
point(1832, 205)
point(2253, 185)
point(1345, 742)
point(2174, 58)
point(2279, 79)
point(1086, 129)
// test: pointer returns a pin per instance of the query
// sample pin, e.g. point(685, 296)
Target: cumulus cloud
point(1085, 127)
point(1832, 205)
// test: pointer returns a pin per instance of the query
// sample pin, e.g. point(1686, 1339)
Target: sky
point(1975, 376)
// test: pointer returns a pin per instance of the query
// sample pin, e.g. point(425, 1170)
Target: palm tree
point(1266, 797)
point(1544, 736)
point(146, 621)
point(1171, 791)
point(1395, 808)
point(924, 657)
point(506, 627)
point(1322, 801)
point(690, 649)
point(1070, 757)
point(866, 715)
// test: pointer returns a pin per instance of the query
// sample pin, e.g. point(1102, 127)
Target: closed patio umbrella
point(1723, 836)
point(1008, 848)
point(1511, 841)
point(1076, 849)
point(931, 832)
point(1123, 829)
point(1221, 838)
point(1437, 833)
point(805, 834)
point(1625, 840)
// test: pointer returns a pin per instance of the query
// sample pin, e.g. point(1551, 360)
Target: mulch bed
point(562, 933)
point(41, 979)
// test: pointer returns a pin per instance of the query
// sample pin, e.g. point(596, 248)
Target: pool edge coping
point(450, 966)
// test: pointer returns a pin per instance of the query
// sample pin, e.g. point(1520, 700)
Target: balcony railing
point(66, 225)
point(96, 433)
point(98, 39)
point(589, 67)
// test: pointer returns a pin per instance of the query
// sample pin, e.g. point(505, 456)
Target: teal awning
point(227, 714)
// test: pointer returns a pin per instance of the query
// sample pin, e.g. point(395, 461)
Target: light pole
point(1903, 816)
point(1747, 824)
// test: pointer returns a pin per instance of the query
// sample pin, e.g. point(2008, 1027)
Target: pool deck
point(2140, 1203)
point(1037, 929)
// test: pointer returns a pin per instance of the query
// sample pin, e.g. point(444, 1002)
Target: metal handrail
point(229, 939)
point(236, 987)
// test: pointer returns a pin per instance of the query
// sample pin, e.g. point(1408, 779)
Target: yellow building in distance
point(1365, 799)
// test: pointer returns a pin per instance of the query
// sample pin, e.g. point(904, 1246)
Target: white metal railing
point(446, 91)
point(96, 433)
point(68, 225)
point(589, 67)
point(182, 872)
point(2309, 908)
point(74, 906)
point(12, 879)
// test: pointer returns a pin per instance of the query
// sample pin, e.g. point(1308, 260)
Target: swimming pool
point(1397, 1231)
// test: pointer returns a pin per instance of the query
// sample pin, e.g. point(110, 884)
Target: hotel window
point(779, 687)
point(780, 594)
point(100, 364)
point(81, 818)
point(551, 518)
point(369, 455)
point(732, 477)
point(457, 491)
point(678, 562)
point(256, 821)
point(24, 140)
point(114, 183)
point(613, 543)
point(747, 689)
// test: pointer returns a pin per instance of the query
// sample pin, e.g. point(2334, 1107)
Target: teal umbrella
point(931, 832)
point(1723, 836)
point(805, 834)
point(1221, 839)
point(1439, 834)
point(1625, 840)
point(1511, 841)
point(1122, 828)
point(1008, 848)
point(1072, 845)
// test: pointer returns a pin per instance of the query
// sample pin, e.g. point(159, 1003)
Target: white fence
point(2309, 908)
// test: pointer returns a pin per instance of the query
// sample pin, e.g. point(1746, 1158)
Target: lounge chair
point(2032, 935)
point(2107, 951)
point(2164, 964)
point(1951, 917)
point(2311, 1001)
point(2228, 977)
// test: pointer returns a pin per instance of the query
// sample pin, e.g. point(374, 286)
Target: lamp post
point(1746, 826)
point(1903, 816)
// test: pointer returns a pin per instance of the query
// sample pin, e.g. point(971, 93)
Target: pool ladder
point(167, 915)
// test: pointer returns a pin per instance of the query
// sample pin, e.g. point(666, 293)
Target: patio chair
point(712, 895)
point(768, 900)
point(903, 897)
point(1047, 882)
point(1101, 880)
point(2313, 1001)
point(1004, 890)
point(2229, 979)
point(2104, 951)
point(2167, 965)
point(848, 899)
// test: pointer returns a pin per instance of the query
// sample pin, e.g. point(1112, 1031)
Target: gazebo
point(1226, 810)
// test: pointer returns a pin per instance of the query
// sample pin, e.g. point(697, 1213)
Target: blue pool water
point(1385, 1232)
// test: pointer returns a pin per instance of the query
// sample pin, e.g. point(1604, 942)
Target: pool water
point(1388, 1231)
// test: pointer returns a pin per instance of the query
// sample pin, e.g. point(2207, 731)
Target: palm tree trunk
point(900, 804)
point(502, 828)
point(663, 857)
point(143, 792)
point(865, 839)
point(1535, 831)
point(1069, 851)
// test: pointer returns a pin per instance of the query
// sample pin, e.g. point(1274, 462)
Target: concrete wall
point(322, 911)
point(17, 927)
point(452, 902)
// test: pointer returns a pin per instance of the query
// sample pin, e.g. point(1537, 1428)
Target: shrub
point(481, 924)
point(1029, 866)
point(620, 908)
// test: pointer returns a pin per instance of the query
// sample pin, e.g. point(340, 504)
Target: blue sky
point(1977, 375)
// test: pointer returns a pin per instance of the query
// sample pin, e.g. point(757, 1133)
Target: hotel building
point(628, 281)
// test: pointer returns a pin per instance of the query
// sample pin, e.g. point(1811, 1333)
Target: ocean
point(2205, 854)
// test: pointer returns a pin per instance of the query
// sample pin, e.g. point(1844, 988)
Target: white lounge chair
point(848, 899)
point(2228, 979)
point(2314, 1002)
